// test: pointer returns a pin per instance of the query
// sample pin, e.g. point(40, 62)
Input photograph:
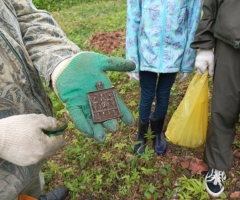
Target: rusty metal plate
point(103, 104)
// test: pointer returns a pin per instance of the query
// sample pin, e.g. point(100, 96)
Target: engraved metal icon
point(103, 104)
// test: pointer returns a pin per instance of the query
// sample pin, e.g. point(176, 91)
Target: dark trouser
point(153, 85)
point(225, 107)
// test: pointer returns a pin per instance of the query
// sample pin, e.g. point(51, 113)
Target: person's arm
point(204, 38)
point(132, 31)
point(44, 40)
point(193, 18)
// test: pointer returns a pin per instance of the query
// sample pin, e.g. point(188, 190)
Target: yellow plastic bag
point(188, 125)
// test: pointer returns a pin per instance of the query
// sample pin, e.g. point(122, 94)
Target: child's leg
point(148, 86)
point(165, 82)
point(164, 86)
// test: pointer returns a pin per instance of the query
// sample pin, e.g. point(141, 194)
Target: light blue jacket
point(159, 34)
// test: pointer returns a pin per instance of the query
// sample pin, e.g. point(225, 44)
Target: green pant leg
point(15, 179)
point(224, 107)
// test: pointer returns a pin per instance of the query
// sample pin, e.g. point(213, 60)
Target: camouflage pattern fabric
point(31, 45)
point(16, 179)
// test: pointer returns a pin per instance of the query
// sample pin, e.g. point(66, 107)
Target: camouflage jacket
point(31, 45)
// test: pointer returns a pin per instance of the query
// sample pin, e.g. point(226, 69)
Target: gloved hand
point(205, 61)
point(133, 76)
point(74, 78)
point(23, 142)
point(183, 75)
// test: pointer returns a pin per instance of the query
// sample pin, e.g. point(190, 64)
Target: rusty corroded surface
point(103, 104)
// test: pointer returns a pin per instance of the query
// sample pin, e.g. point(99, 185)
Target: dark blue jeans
point(153, 84)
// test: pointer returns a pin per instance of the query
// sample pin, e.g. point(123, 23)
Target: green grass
point(85, 19)
point(56, 5)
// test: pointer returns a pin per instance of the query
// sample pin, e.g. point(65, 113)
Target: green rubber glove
point(77, 76)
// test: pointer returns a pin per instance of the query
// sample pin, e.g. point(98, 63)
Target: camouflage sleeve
point(46, 43)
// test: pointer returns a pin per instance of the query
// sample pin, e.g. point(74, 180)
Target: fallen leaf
point(197, 166)
point(185, 164)
point(235, 195)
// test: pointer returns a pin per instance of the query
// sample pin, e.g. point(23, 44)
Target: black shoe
point(214, 182)
point(57, 194)
point(160, 144)
point(159, 141)
point(139, 148)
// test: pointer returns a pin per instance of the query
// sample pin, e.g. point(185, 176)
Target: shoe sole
point(162, 153)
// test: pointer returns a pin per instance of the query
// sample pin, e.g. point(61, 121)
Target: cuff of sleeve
point(59, 69)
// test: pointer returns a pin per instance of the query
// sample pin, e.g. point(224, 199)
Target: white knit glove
point(23, 142)
point(205, 61)
point(133, 76)
point(183, 76)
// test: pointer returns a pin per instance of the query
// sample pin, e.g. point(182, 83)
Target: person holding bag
point(218, 41)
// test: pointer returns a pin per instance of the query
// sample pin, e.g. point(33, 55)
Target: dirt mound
point(107, 42)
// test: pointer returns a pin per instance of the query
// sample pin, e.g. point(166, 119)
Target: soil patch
point(108, 42)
